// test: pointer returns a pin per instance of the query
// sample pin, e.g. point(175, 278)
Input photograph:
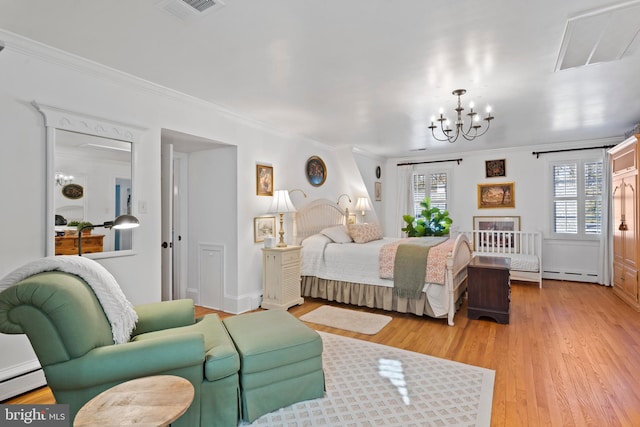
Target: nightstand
point(489, 288)
point(281, 277)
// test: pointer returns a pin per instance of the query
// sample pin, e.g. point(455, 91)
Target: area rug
point(349, 320)
point(369, 384)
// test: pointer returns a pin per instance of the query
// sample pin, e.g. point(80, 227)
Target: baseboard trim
point(21, 384)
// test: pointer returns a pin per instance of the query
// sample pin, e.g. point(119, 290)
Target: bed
point(350, 272)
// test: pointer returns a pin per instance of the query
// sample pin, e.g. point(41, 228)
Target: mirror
point(92, 184)
point(91, 175)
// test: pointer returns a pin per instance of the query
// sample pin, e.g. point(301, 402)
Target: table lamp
point(281, 204)
point(363, 205)
point(122, 222)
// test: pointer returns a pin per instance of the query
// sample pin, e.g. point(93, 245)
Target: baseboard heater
point(570, 275)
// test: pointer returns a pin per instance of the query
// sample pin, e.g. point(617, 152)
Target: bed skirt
point(371, 296)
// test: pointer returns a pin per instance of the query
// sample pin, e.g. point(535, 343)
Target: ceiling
point(370, 73)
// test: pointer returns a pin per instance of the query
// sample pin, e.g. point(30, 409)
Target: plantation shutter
point(577, 198)
point(592, 197)
point(432, 185)
point(565, 193)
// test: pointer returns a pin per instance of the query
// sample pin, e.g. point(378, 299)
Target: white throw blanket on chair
point(118, 309)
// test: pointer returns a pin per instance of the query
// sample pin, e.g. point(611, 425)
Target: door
point(167, 221)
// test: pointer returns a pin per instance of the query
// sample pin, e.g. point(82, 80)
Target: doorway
point(190, 218)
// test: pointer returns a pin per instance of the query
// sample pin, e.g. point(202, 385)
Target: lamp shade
point(281, 202)
point(124, 222)
point(363, 204)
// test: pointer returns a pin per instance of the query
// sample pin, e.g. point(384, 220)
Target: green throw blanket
point(409, 269)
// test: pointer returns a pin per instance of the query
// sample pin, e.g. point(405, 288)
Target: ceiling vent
point(602, 35)
point(187, 9)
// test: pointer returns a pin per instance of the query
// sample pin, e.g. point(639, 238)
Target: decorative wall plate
point(73, 191)
point(316, 171)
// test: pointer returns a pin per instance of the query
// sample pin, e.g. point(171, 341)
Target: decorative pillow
point(363, 233)
point(338, 233)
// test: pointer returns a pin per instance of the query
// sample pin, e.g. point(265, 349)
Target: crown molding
point(28, 47)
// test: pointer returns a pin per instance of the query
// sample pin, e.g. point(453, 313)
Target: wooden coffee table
point(149, 401)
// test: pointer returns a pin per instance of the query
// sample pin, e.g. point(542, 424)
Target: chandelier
point(451, 135)
point(62, 179)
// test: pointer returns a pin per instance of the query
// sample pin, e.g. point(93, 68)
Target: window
point(577, 198)
point(432, 185)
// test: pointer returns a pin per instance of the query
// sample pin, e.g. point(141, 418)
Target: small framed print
point(264, 180)
point(377, 189)
point(495, 168)
point(263, 226)
point(352, 219)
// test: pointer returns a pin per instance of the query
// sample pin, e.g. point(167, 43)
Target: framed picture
point(496, 195)
point(495, 168)
point(351, 219)
point(263, 226)
point(497, 224)
point(264, 180)
point(316, 171)
point(377, 189)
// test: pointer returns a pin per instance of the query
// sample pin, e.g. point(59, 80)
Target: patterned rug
point(349, 320)
point(375, 385)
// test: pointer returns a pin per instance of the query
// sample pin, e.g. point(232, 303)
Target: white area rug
point(349, 320)
point(375, 385)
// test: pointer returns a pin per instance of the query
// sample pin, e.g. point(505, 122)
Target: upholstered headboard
point(314, 217)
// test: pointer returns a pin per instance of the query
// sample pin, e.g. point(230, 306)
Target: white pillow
point(337, 233)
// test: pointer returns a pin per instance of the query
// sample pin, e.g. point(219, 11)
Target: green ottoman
point(280, 361)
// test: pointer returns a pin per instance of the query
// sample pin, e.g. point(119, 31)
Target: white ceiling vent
point(188, 9)
point(599, 36)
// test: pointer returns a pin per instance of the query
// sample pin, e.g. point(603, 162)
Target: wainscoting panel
point(211, 275)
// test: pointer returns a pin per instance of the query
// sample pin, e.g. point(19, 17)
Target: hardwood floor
point(570, 355)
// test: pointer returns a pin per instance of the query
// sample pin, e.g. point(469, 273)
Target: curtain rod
point(537, 153)
point(432, 161)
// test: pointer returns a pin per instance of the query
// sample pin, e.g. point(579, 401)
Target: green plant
point(73, 223)
point(84, 224)
point(432, 222)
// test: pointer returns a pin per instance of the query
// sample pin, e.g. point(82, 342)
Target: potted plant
point(432, 222)
point(83, 224)
point(72, 228)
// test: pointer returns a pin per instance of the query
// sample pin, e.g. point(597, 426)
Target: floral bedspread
point(436, 261)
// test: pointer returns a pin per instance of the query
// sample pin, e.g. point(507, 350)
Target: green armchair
point(72, 339)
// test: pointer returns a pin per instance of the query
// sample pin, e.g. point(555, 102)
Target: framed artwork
point(351, 219)
point(495, 168)
point(497, 224)
point(73, 191)
point(316, 171)
point(496, 195)
point(264, 180)
point(377, 189)
point(263, 226)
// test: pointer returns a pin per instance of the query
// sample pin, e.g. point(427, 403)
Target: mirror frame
point(58, 118)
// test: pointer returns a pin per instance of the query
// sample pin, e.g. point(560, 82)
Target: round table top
point(150, 401)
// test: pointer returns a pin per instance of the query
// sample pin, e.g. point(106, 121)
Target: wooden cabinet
point(281, 277)
point(489, 288)
point(625, 221)
point(68, 245)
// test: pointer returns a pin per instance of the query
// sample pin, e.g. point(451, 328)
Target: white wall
point(530, 176)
